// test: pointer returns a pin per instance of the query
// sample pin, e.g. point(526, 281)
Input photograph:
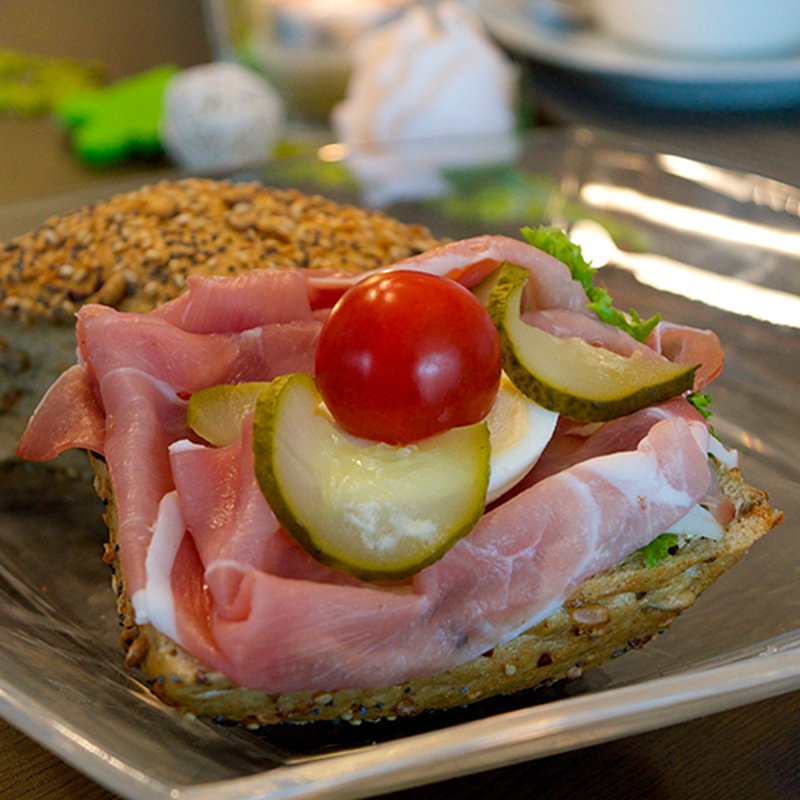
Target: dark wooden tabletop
point(751, 753)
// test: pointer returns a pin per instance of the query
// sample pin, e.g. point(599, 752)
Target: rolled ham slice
point(241, 596)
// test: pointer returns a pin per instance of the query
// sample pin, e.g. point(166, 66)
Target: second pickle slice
point(571, 376)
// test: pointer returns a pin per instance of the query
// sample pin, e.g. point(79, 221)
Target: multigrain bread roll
point(609, 614)
point(135, 252)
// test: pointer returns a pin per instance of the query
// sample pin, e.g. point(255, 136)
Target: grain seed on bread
point(136, 250)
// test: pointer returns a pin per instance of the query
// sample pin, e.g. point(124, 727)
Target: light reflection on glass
point(79, 741)
point(720, 291)
point(743, 188)
point(667, 274)
point(753, 442)
point(687, 219)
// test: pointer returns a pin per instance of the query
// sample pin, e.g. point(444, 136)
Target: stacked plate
point(640, 74)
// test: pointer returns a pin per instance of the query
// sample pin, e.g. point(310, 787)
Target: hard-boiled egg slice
point(698, 522)
point(519, 430)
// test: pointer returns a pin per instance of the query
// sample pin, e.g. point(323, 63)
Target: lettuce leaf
point(655, 552)
point(702, 401)
point(557, 244)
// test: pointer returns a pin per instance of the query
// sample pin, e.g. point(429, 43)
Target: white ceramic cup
point(703, 28)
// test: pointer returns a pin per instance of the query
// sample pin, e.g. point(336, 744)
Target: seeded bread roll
point(136, 250)
point(609, 614)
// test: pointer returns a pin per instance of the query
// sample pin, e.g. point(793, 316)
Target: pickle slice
point(483, 290)
point(571, 376)
point(216, 413)
point(376, 511)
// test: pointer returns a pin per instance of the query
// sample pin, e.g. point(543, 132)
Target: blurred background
point(95, 92)
point(734, 107)
point(121, 39)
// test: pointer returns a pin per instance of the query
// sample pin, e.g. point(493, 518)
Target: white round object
point(651, 79)
point(220, 117)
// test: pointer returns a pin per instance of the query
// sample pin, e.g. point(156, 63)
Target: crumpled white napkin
point(428, 92)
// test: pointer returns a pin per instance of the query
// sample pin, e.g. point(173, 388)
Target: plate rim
point(508, 738)
point(588, 50)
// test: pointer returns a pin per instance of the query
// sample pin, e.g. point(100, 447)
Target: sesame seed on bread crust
point(615, 611)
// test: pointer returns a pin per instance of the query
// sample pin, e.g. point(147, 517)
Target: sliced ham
point(244, 598)
point(67, 416)
point(144, 367)
point(190, 361)
point(518, 564)
point(229, 305)
point(226, 510)
point(565, 324)
point(469, 261)
point(575, 442)
point(143, 415)
point(682, 344)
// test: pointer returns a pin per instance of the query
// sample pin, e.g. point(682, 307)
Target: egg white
point(519, 430)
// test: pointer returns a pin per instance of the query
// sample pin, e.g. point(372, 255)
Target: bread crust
point(610, 613)
point(136, 250)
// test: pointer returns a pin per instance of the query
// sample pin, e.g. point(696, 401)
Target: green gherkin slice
point(216, 413)
point(376, 511)
point(569, 375)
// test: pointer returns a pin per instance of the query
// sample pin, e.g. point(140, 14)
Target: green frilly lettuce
point(557, 244)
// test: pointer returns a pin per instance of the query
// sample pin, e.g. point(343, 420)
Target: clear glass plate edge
point(555, 727)
point(57, 735)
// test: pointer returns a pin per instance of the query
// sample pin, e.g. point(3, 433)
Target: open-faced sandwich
point(336, 495)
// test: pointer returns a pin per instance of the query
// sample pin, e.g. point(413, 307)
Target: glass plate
point(680, 226)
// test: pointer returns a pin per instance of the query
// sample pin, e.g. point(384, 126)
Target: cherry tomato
point(404, 355)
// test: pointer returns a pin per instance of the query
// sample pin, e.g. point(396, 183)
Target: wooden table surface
point(751, 753)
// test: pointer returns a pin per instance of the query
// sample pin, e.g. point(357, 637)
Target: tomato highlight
point(405, 355)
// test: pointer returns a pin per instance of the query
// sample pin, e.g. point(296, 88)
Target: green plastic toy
point(120, 121)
